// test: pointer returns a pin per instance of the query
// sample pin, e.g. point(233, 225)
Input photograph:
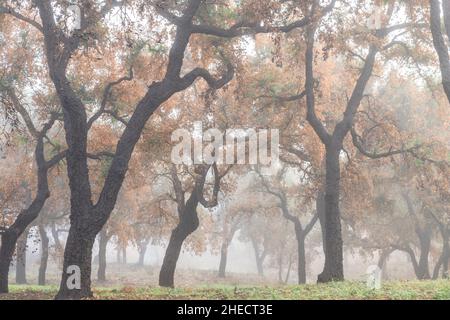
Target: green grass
point(407, 290)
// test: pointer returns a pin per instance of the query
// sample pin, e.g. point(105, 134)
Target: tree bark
point(21, 259)
point(439, 43)
point(334, 268)
point(28, 215)
point(86, 218)
point(188, 224)
point(422, 269)
point(103, 243)
point(167, 273)
point(6, 252)
point(188, 217)
point(44, 255)
point(320, 208)
point(78, 253)
point(301, 252)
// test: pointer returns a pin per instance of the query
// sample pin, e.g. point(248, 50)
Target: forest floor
point(416, 290)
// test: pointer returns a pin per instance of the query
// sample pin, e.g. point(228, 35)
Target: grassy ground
point(344, 290)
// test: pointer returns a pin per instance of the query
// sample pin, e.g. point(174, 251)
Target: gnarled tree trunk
point(11, 235)
point(77, 266)
point(188, 224)
point(334, 267)
point(188, 217)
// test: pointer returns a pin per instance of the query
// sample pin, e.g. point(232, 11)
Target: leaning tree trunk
point(224, 253)
point(167, 273)
point(44, 255)
point(25, 217)
point(188, 224)
point(333, 269)
point(103, 243)
point(21, 259)
point(23, 220)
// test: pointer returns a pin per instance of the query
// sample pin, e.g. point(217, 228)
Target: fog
point(259, 144)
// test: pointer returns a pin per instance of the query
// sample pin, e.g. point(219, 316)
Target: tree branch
point(213, 83)
point(199, 186)
point(311, 115)
point(11, 12)
point(106, 95)
point(356, 139)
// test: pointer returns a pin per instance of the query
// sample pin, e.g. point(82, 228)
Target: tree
point(301, 231)
point(44, 255)
point(188, 216)
point(232, 216)
point(333, 142)
point(87, 217)
point(11, 234)
point(439, 41)
point(102, 244)
point(21, 258)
